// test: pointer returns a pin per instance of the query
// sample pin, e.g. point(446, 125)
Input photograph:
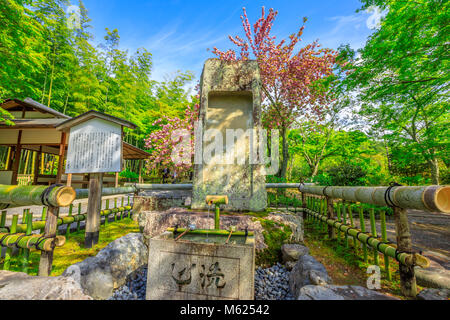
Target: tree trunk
point(284, 163)
point(434, 163)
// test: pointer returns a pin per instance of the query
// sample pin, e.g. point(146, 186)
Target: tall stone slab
point(230, 99)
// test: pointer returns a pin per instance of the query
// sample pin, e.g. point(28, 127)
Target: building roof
point(66, 125)
point(30, 104)
point(63, 122)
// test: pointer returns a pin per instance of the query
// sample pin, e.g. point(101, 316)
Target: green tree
point(401, 77)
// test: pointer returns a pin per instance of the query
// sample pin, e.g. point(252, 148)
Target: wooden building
point(35, 130)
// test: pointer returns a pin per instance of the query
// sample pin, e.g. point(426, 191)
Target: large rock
point(20, 286)
point(434, 277)
point(155, 223)
point(434, 294)
point(292, 252)
point(331, 292)
point(100, 275)
point(307, 271)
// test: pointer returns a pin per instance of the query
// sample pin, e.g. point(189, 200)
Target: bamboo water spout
point(428, 198)
point(36, 195)
point(217, 201)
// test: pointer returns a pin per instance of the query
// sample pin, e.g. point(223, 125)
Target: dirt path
point(430, 233)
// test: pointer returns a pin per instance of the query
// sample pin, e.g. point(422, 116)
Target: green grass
point(73, 251)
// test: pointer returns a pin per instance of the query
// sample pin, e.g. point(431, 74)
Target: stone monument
point(231, 99)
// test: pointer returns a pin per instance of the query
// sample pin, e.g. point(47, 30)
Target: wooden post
point(404, 244)
point(140, 170)
point(93, 211)
point(51, 226)
point(36, 166)
point(116, 183)
point(69, 180)
point(304, 206)
point(8, 158)
point(62, 154)
point(330, 215)
point(15, 166)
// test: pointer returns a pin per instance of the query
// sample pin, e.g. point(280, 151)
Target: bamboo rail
point(36, 195)
point(30, 242)
point(38, 225)
point(428, 198)
point(84, 193)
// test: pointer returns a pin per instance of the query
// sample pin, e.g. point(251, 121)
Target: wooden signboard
point(95, 146)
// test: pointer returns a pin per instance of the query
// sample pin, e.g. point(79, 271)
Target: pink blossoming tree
point(292, 79)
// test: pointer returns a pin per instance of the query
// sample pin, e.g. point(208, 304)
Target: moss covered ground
point(345, 265)
point(73, 251)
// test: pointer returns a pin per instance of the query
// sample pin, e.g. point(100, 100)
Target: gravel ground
point(270, 284)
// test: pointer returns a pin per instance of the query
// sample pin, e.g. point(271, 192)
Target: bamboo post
point(8, 253)
point(106, 210)
point(404, 244)
point(69, 224)
point(350, 215)
point(43, 216)
point(115, 214)
point(3, 219)
point(407, 259)
point(374, 233)
point(384, 238)
point(330, 215)
point(26, 252)
point(94, 208)
point(338, 207)
point(304, 206)
point(344, 221)
point(324, 213)
point(79, 212)
point(363, 229)
point(51, 226)
point(24, 216)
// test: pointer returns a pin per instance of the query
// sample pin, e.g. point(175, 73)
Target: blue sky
point(179, 32)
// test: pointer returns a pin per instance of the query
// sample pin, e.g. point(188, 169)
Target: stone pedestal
point(230, 100)
point(196, 270)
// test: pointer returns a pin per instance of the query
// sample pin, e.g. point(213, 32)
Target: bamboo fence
point(331, 210)
point(21, 237)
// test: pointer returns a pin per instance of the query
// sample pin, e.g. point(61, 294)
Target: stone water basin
point(201, 267)
point(216, 239)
